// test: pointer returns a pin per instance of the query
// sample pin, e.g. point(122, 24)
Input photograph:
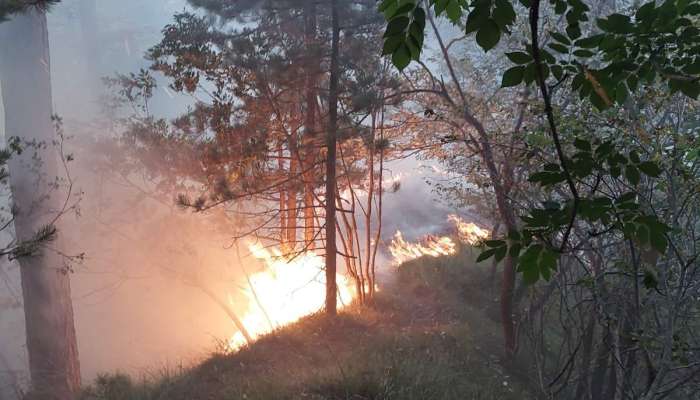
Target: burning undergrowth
point(376, 352)
point(435, 245)
point(290, 287)
point(287, 289)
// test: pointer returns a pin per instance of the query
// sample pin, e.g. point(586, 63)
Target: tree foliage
point(9, 7)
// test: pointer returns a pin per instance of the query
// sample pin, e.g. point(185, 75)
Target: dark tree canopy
point(9, 7)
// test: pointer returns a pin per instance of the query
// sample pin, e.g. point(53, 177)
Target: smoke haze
point(138, 296)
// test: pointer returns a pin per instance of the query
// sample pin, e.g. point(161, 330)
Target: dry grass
point(428, 336)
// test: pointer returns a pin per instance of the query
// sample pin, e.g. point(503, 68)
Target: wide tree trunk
point(331, 286)
point(26, 88)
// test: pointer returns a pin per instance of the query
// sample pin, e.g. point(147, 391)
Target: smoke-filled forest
point(349, 199)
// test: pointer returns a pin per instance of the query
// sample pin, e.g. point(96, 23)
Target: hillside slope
point(428, 335)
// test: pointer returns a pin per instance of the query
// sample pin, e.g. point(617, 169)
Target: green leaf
point(690, 89)
point(559, 48)
point(547, 263)
point(439, 6)
point(583, 53)
point(658, 241)
point(391, 44)
point(628, 196)
point(650, 281)
point(397, 26)
point(500, 253)
point(561, 38)
point(485, 255)
point(616, 23)
point(634, 157)
point(519, 57)
point(581, 144)
point(574, 31)
point(494, 243)
point(632, 174)
point(401, 57)
point(528, 263)
point(646, 12)
point(589, 42)
point(597, 101)
point(650, 168)
point(621, 93)
point(514, 250)
point(488, 35)
point(642, 234)
point(477, 17)
point(503, 14)
point(401, 10)
point(454, 11)
point(513, 76)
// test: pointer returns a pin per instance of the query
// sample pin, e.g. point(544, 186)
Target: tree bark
point(368, 215)
point(26, 86)
point(310, 121)
point(507, 215)
point(292, 192)
point(331, 286)
point(583, 386)
point(283, 202)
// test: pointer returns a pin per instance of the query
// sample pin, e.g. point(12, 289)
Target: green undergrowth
point(431, 333)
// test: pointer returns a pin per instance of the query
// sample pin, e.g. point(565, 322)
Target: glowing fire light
point(468, 232)
point(436, 246)
point(285, 291)
point(430, 245)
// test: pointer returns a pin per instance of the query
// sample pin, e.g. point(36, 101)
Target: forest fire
point(430, 245)
point(468, 232)
point(436, 246)
point(285, 291)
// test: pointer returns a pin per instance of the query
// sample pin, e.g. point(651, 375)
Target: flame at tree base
point(288, 289)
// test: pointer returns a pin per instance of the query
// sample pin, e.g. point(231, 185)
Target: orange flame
point(434, 246)
point(468, 232)
point(285, 291)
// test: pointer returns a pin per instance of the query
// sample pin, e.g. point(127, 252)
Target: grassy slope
point(431, 334)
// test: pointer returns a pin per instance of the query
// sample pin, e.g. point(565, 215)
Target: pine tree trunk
point(368, 216)
point(283, 202)
point(26, 88)
point(292, 192)
point(310, 122)
point(331, 287)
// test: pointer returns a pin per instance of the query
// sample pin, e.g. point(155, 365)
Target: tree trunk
point(310, 122)
point(26, 87)
point(283, 202)
point(331, 287)
point(292, 192)
point(583, 385)
point(507, 215)
point(368, 215)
